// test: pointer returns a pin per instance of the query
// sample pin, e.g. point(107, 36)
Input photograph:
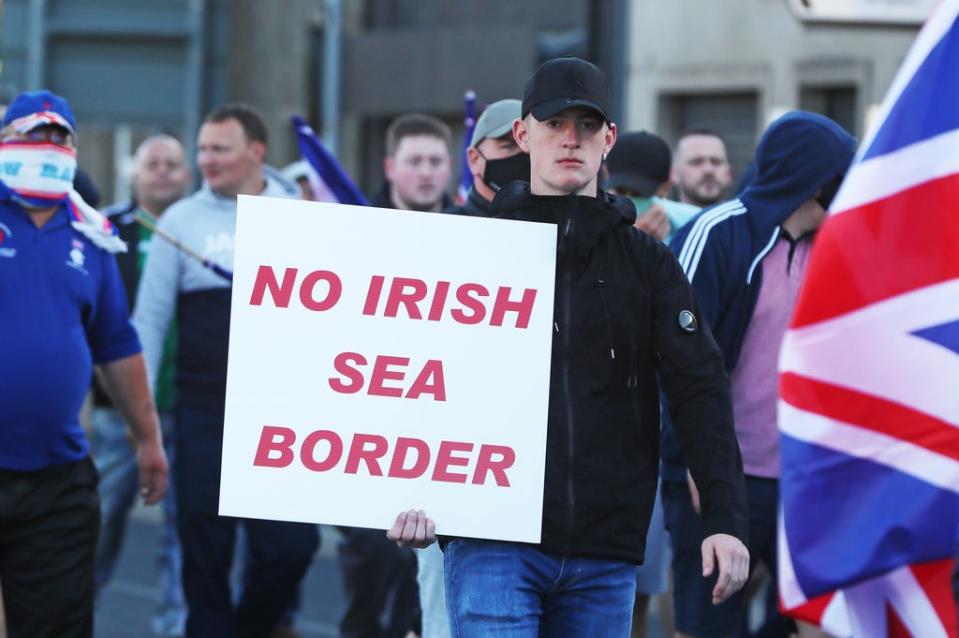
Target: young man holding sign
point(623, 314)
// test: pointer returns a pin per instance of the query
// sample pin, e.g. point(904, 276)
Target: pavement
point(128, 601)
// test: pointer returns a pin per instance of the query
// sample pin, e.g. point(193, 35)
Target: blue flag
point(330, 175)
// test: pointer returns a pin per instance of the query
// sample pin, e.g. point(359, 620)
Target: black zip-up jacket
point(122, 216)
point(475, 206)
point(619, 296)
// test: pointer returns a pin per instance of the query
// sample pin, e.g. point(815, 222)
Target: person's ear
point(259, 150)
point(476, 162)
point(388, 167)
point(521, 135)
point(610, 139)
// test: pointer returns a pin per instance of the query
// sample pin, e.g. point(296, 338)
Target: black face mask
point(500, 172)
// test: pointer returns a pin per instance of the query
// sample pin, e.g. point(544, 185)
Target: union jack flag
point(869, 373)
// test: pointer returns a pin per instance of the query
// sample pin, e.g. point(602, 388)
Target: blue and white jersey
point(62, 310)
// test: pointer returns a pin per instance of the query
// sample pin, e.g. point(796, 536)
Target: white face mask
point(40, 173)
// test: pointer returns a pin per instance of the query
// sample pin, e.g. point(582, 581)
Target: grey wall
point(693, 49)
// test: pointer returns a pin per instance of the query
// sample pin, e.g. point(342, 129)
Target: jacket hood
point(798, 154)
point(274, 188)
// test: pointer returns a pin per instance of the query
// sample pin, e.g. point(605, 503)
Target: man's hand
point(125, 381)
point(152, 462)
point(693, 491)
point(412, 529)
point(733, 560)
point(654, 221)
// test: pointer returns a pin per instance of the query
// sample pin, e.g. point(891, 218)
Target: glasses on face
point(50, 134)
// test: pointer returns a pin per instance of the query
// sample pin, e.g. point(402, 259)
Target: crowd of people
point(662, 459)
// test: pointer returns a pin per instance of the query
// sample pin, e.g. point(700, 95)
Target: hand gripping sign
point(382, 360)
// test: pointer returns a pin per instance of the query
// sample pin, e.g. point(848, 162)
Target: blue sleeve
point(704, 268)
point(110, 331)
point(705, 282)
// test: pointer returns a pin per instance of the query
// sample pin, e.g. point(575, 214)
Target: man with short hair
point(701, 170)
point(495, 161)
point(379, 578)
point(625, 315)
point(746, 259)
point(417, 164)
point(64, 312)
point(160, 177)
point(230, 149)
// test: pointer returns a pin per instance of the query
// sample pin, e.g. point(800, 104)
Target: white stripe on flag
point(866, 603)
point(935, 28)
point(880, 177)
point(871, 350)
point(835, 618)
point(869, 445)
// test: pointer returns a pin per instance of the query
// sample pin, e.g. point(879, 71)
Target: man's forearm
point(125, 380)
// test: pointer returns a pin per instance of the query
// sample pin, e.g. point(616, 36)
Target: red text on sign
point(329, 284)
point(415, 299)
point(375, 455)
point(386, 374)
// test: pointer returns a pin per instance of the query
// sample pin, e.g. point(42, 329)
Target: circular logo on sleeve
point(687, 321)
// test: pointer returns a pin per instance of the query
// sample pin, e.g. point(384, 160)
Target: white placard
point(336, 310)
point(911, 12)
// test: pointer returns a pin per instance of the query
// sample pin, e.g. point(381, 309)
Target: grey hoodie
point(174, 282)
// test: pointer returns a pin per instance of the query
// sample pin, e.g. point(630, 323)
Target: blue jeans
point(517, 591)
point(119, 484)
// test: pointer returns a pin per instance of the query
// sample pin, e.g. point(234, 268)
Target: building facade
point(736, 65)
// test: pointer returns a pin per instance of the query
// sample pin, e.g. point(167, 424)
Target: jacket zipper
point(568, 401)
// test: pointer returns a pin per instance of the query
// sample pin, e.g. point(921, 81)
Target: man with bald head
point(160, 177)
point(701, 168)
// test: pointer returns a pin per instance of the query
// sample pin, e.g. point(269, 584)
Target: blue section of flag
point(326, 166)
point(929, 104)
point(885, 517)
point(466, 176)
point(945, 335)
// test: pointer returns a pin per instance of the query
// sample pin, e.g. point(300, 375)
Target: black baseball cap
point(640, 161)
point(562, 83)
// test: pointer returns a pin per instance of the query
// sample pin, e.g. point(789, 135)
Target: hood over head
point(800, 154)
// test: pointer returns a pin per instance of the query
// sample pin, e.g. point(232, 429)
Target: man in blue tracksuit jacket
point(745, 260)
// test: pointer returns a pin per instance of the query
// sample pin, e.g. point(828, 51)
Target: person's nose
point(570, 136)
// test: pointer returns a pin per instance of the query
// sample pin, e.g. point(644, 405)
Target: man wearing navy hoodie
point(746, 259)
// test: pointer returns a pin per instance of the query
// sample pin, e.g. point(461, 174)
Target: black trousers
point(379, 579)
point(279, 553)
point(49, 521)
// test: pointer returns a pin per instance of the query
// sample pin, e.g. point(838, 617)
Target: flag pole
point(466, 177)
point(189, 252)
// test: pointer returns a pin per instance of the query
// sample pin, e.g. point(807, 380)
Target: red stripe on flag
point(871, 413)
point(885, 248)
point(935, 577)
point(811, 610)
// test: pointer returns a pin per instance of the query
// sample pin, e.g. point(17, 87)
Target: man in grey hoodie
point(230, 150)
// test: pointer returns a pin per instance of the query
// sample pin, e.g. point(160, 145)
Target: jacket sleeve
point(694, 381)
point(156, 298)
